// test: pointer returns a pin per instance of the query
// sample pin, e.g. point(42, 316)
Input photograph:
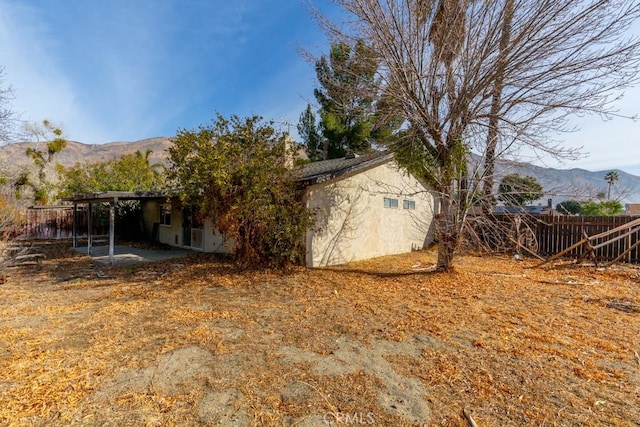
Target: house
point(526, 210)
point(632, 209)
point(172, 223)
point(365, 207)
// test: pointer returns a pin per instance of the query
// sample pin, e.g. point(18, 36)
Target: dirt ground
point(387, 342)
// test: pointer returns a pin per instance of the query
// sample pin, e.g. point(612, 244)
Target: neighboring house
point(524, 210)
point(365, 207)
point(632, 209)
point(527, 209)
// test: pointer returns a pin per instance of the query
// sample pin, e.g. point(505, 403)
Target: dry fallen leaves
point(513, 345)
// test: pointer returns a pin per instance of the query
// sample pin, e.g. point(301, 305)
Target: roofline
point(328, 176)
point(114, 196)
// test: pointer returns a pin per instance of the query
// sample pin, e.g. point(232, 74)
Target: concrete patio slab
point(129, 255)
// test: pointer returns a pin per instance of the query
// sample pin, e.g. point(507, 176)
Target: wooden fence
point(49, 222)
point(56, 222)
point(557, 233)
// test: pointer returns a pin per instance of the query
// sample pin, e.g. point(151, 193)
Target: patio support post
point(112, 220)
point(90, 229)
point(74, 225)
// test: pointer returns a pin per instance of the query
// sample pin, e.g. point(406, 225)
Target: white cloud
point(41, 89)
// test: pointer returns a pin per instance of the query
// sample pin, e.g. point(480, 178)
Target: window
point(165, 214)
point(390, 203)
point(192, 216)
point(409, 204)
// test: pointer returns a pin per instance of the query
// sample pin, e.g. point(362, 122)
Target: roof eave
point(114, 196)
point(327, 176)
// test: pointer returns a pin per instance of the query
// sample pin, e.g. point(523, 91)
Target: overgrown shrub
point(236, 173)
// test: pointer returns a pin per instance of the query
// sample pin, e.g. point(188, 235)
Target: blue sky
point(127, 70)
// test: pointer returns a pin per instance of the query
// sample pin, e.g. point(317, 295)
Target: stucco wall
point(352, 222)
point(172, 235)
point(150, 215)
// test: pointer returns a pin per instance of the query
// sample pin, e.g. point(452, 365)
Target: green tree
point(311, 136)
point(569, 207)
point(130, 172)
point(516, 190)
point(346, 101)
point(611, 178)
point(235, 172)
point(602, 208)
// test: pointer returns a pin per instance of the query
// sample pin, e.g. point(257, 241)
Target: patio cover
point(110, 197)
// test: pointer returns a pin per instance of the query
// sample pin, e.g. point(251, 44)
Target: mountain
point(13, 156)
point(559, 184)
point(579, 184)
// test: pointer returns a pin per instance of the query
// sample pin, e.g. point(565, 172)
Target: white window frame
point(409, 204)
point(390, 203)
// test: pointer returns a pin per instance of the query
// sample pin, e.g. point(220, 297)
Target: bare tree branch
point(7, 115)
point(443, 63)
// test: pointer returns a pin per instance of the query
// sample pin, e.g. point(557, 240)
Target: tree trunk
point(447, 232)
point(496, 102)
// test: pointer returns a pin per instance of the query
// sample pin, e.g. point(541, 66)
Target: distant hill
point(560, 184)
point(579, 184)
point(13, 155)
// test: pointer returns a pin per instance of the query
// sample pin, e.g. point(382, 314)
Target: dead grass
point(514, 345)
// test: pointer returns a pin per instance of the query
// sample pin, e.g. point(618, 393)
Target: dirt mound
point(223, 408)
point(401, 396)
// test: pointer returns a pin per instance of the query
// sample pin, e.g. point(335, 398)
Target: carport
point(110, 198)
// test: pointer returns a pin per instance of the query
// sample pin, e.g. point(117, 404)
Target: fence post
point(90, 230)
point(112, 220)
point(628, 239)
point(74, 227)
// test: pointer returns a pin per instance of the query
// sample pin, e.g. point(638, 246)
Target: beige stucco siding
point(173, 235)
point(214, 241)
point(150, 215)
point(352, 222)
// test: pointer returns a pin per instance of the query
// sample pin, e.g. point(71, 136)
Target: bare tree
point(460, 69)
point(7, 115)
point(9, 224)
point(9, 217)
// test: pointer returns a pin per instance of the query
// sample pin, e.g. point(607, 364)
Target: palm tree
point(611, 178)
point(498, 87)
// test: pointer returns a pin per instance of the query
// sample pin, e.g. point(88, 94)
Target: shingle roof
point(328, 169)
